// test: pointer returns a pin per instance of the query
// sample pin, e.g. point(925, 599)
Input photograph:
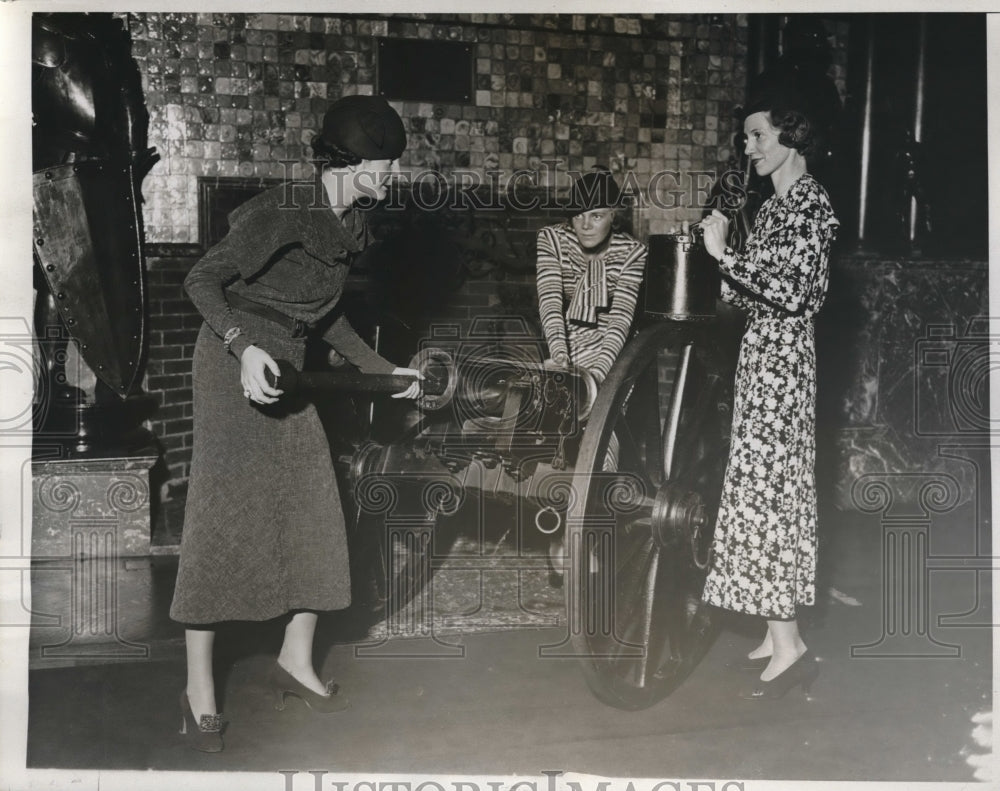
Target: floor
point(479, 700)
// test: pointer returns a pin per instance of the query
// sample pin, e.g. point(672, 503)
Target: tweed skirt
point(263, 526)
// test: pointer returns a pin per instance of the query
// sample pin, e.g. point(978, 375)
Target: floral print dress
point(764, 550)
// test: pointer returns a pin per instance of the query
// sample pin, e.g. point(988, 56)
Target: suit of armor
point(89, 157)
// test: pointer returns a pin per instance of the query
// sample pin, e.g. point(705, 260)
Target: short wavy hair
point(329, 155)
point(800, 106)
point(795, 129)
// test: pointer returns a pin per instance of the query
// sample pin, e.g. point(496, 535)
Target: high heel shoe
point(204, 735)
point(284, 683)
point(803, 670)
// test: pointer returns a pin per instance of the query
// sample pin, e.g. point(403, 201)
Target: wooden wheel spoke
point(697, 425)
point(629, 450)
point(631, 554)
point(630, 539)
point(675, 410)
point(616, 620)
point(649, 615)
point(642, 621)
point(635, 593)
point(636, 428)
point(647, 421)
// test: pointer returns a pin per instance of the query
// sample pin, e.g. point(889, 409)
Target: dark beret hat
point(594, 190)
point(366, 126)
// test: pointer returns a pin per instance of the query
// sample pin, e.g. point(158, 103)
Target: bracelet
point(231, 335)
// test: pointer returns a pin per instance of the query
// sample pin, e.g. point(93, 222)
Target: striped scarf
point(591, 294)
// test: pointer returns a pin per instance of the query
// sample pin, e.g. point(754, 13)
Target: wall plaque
point(424, 71)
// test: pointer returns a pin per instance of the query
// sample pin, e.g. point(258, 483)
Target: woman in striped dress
point(588, 277)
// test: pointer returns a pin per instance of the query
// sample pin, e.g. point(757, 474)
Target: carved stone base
point(90, 542)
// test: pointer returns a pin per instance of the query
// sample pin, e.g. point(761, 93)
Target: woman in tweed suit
point(264, 531)
point(588, 276)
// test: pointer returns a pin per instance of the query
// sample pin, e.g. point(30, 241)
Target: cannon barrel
point(484, 383)
point(292, 380)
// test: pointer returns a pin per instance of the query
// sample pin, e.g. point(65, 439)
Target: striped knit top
point(586, 308)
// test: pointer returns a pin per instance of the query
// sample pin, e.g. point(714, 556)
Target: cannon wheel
point(640, 521)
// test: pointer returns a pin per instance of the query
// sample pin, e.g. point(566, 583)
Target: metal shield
point(87, 239)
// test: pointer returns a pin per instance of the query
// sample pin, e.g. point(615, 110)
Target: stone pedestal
point(90, 537)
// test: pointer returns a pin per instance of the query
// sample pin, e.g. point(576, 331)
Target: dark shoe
point(284, 683)
point(803, 670)
point(204, 735)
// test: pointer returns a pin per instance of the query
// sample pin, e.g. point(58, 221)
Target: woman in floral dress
point(764, 558)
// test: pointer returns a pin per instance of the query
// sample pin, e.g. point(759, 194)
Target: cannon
point(629, 471)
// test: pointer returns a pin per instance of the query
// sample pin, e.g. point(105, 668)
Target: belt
point(297, 327)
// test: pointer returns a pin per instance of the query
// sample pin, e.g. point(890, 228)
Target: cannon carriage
point(627, 473)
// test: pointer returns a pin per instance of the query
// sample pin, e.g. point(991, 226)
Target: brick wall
point(174, 325)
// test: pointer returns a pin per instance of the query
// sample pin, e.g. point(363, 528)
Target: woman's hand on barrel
point(715, 229)
point(413, 391)
point(254, 364)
